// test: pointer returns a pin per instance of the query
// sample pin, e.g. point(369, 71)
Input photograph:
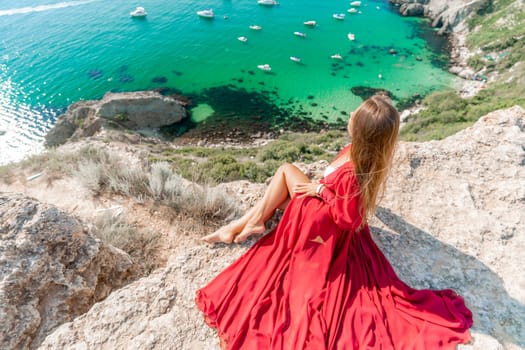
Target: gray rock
point(60, 133)
point(412, 9)
point(129, 110)
point(138, 110)
point(453, 217)
point(51, 270)
point(446, 15)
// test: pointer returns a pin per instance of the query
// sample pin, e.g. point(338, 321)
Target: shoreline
point(459, 55)
point(226, 132)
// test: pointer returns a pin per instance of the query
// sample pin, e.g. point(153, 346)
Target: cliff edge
point(453, 217)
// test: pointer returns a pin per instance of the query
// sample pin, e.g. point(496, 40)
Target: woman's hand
point(306, 189)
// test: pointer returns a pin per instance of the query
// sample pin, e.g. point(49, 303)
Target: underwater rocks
point(365, 92)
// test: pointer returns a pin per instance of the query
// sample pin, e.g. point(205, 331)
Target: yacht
point(310, 23)
point(138, 12)
point(208, 13)
point(339, 16)
point(255, 27)
point(242, 39)
point(351, 36)
point(352, 10)
point(336, 56)
point(295, 59)
point(267, 2)
point(302, 35)
point(265, 67)
point(355, 3)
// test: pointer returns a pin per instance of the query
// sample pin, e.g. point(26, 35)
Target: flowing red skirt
point(310, 285)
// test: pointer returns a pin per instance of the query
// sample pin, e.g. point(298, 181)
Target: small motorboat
point(265, 67)
point(300, 34)
point(339, 16)
point(242, 39)
point(351, 36)
point(138, 12)
point(295, 59)
point(380, 76)
point(336, 56)
point(267, 2)
point(355, 3)
point(208, 13)
point(310, 23)
point(255, 27)
point(352, 10)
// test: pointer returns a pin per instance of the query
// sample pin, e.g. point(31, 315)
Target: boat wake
point(40, 8)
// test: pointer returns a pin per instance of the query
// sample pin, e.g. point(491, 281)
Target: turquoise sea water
point(54, 53)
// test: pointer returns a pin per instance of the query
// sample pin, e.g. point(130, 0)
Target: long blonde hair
point(374, 127)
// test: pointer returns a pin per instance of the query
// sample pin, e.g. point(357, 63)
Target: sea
point(54, 53)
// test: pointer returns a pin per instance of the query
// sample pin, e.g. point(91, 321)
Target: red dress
point(317, 282)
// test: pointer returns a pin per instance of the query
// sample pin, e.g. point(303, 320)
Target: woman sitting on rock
point(318, 280)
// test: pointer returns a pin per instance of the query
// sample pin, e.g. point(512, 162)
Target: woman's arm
point(341, 196)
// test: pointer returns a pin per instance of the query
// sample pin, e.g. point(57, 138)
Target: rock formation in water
point(51, 270)
point(446, 15)
point(453, 217)
point(127, 110)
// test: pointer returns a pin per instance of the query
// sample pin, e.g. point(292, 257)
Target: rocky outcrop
point(412, 9)
point(453, 217)
point(446, 15)
point(128, 110)
point(51, 270)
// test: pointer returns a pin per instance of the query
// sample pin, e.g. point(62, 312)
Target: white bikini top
point(329, 169)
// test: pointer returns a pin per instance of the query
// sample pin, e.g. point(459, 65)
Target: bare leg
point(279, 191)
point(277, 194)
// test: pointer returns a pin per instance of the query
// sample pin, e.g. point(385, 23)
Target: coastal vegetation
point(496, 38)
point(223, 164)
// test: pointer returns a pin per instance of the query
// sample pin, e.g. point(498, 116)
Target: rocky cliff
point(128, 110)
point(445, 15)
point(453, 217)
point(51, 270)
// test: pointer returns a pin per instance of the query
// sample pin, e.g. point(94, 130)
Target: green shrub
point(282, 150)
point(121, 117)
point(476, 62)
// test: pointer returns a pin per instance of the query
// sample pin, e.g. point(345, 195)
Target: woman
point(318, 280)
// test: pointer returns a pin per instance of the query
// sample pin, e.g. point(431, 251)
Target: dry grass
point(184, 205)
point(197, 201)
point(141, 245)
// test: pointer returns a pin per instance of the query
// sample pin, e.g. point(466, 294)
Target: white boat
point(339, 16)
point(265, 67)
point(336, 56)
point(295, 58)
point(242, 39)
point(138, 12)
point(267, 2)
point(208, 13)
point(302, 35)
point(310, 23)
point(352, 10)
point(355, 3)
point(351, 36)
point(255, 27)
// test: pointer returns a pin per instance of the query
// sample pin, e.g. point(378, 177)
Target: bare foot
point(250, 229)
point(225, 235)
